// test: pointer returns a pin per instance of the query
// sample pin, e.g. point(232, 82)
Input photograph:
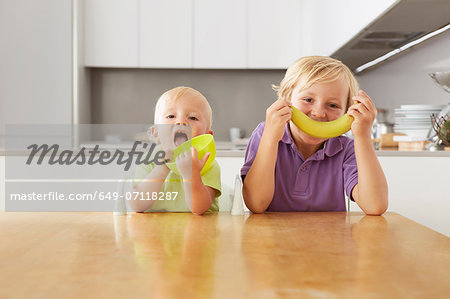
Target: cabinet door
point(327, 25)
point(165, 33)
point(111, 33)
point(36, 63)
point(274, 33)
point(220, 34)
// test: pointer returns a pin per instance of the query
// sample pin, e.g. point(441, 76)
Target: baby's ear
point(152, 133)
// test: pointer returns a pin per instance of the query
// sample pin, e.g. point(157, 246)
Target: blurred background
point(108, 61)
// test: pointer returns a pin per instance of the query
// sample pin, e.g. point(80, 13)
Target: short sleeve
point(350, 169)
point(252, 149)
point(212, 178)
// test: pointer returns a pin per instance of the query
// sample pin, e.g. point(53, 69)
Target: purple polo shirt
point(315, 184)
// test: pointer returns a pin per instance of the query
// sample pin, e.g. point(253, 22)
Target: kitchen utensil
point(442, 79)
point(441, 126)
point(236, 133)
point(203, 143)
point(238, 201)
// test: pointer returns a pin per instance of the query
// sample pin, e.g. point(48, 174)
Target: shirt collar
point(331, 147)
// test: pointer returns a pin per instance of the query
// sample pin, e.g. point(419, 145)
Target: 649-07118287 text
point(97, 195)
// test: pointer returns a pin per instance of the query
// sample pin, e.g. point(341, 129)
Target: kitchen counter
point(180, 255)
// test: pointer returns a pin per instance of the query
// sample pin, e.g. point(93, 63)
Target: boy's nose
point(318, 112)
point(181, 122)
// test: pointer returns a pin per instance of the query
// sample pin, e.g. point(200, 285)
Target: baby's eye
point(170, 116)
point(193, 118)
point(308, 100)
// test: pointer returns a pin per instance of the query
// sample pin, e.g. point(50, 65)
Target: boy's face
point(185, 118)
point(322, 101)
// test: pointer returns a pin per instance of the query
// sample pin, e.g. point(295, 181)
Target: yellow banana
point(321, 129)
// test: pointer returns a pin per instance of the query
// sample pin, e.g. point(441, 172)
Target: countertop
point(180, 255)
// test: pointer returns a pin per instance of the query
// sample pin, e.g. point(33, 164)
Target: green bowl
point(204, 144)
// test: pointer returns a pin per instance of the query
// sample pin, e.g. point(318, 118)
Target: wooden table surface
point(180, 255)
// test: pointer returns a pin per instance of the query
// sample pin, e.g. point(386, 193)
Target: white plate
point(422, 107)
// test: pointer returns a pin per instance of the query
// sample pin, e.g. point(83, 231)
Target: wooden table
point(180, 255)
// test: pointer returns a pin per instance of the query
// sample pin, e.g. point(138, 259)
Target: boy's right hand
point(277, 115)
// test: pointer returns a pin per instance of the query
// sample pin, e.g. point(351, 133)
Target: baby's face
point(185, 118)
point(322, 101)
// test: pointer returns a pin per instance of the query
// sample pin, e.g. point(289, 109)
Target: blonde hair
point(175, 94)
point(313, 69)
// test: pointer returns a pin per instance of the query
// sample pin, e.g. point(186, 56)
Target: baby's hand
point(364, 113)
point(277, 115)
point(188, 163)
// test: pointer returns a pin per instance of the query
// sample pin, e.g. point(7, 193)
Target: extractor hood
point(404, 22)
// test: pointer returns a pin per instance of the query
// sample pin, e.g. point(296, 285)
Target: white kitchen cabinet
point(418, 189)
point(327, 25)
point(111, 33)
point(165, 33)
point(230, 167)
point(274, 33)
point(36, 63)
point(220, 34)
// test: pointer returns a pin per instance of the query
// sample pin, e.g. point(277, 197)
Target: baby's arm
point(371, 192)
point(259, 183)
point(151, 183)
point(198, 196)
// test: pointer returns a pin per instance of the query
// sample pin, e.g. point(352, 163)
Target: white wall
point(404, 79)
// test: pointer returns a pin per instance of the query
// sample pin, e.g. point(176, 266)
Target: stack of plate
point(415, 120)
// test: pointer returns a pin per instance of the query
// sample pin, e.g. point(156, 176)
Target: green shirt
point(174, 185)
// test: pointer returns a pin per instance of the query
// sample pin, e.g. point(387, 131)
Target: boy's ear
point(153, 133)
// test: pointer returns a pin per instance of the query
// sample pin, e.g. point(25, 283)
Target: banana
point(321, 129)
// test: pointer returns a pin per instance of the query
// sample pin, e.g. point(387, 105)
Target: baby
point(287, 170)
point(180, 114)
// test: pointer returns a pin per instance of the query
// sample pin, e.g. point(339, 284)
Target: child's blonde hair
point(313, 69)
point(176, 93)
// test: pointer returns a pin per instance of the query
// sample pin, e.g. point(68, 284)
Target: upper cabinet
point(274, 33)
point(220, 34)
point(328, 25)
point(165, 33)
point(111, 33)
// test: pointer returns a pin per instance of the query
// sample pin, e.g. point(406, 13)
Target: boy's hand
point(364, 113)
point(277, 115)
point(188, 163)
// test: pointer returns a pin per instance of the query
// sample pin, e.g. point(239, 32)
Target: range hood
point(404, 22)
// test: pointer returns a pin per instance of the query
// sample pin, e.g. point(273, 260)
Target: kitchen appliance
point(404, 22)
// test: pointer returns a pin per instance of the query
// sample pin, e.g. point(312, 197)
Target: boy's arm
point(259, 183)
point(198, 196)
point(371, 192)
point(151, 183)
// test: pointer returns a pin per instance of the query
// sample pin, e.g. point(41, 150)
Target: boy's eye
point(170, 116)
point(193, 118)
point(334, 106)
point(307, 100)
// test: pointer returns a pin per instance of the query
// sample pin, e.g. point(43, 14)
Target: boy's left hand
point(364, 113)
point(188, 163)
